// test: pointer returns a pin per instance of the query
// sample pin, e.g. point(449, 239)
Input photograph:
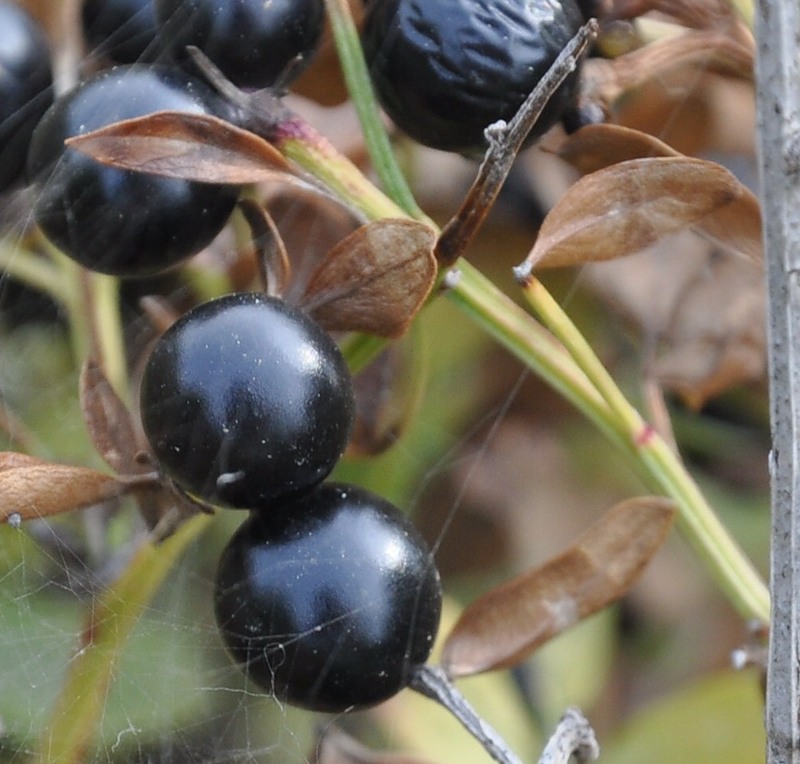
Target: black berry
point(122, 222)
point(245, 399)
point(254, 43)
point(25, 88)
point(445, 70)
point(123, 30)
point(328, 602)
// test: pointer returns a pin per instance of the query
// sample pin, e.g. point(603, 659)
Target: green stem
point(31, 269)
point(515, 329)
point(107, 329)
point(664, 472)
point(700, 525)
point(71, 276)
point(314, 152)
point(362, 94)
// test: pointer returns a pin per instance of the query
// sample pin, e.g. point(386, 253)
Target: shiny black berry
point(254, 43)
point(115, 221)
point(330, 601)
point(25, 88)
point(123, 30)
point(445, 70)
point(245, 399)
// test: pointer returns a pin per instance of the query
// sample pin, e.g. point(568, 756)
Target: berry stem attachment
point(433, 683)
point(505, 142)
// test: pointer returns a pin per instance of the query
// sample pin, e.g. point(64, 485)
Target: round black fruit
point(116, 221)
point(254, 43)
point(25, 88)
point(246, 399)
point(446, 70)
point(123, 30)
point(330, 601)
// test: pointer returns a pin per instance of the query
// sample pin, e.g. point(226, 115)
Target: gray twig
point(574, 736)
point(433, 683)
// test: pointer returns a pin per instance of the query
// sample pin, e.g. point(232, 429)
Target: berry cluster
point(114, 221)
point(326, 596)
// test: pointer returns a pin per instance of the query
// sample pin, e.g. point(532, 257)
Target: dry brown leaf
point(375, 280)
point(504, 626)
point(629, 206)
point(189, 146)
point(108, 421)
point(737, 226)
point(595, 147)
point(310, 225)
point(337, 747)
point(707, 49)
point(695, 51)
point(31, 488)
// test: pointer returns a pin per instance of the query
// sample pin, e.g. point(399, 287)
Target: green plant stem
point(36, 272)
point(339, 175)
point(107, 329)
point(360, 88)
point(79, 707)
point(700, 525)
point(529, 341)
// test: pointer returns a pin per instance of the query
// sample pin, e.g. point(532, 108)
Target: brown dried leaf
point(375, 280)
point(737, 226)
point(625, 208)
point(504, 626)
point(595, 147)
point(189, 146)
point(692, 53)
point(108, 421)
point(337, 747)
point(310, 225)
point(706, 49)
point(32, 488)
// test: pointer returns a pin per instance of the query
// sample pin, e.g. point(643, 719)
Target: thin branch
point(433, 683)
